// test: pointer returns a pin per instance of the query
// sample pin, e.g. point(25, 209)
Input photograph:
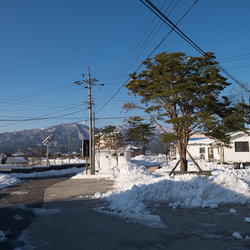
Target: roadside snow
point(136, 191)
point(2, 236)
point(7, 180)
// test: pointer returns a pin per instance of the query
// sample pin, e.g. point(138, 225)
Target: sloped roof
point(203, 141)
point(15, 160)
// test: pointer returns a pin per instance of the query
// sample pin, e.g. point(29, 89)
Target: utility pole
point(90, 126)
point(69, 149)
point(93, 152)
point(90, 82)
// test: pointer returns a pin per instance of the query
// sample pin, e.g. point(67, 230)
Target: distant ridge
point(31, 140)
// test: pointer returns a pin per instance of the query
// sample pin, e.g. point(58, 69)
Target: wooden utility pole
point(69, 149)
point(90, 126)
point(93, 146)
point(90, 82)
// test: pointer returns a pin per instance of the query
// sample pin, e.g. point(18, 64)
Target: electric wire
point(165, 19)
point(132, 61)
point(186, 12)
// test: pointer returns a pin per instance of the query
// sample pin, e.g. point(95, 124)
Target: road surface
point(74, 223)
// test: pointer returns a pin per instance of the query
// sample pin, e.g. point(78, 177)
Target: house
point(239, 148)
point(199, 146)
point(11, 160)
point(203, 147)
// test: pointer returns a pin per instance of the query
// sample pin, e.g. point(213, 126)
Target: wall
point(108, 158)
point(231, 155)
point(194, 150)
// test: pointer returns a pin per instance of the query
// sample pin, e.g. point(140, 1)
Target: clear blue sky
point(47, 45)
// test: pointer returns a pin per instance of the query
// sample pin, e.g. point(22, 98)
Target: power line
point(237, 67)
point(186, 12)
point(129, 64)
point(226, 58)
point(236, 59)
point(166, 20)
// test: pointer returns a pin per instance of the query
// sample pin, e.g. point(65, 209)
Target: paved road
point(16, 207)
point(70, 222)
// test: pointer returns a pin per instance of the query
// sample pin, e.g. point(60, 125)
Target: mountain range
point(63, 135)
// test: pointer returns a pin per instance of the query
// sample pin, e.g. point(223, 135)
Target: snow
point(237, 235)
point(247, 219)
point(136, 191)
point(233, 211)
point(2, 236)
point(206, 141)
point(6, 180)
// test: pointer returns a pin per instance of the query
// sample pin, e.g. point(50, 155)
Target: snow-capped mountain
point(63, 135)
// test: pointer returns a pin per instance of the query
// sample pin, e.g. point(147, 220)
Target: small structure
point(112, 157)
point(8, 161)
point(203, 147)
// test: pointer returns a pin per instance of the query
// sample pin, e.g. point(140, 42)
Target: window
point(202, 150)
point(241, 146)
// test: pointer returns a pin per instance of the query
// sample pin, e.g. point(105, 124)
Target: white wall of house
point(202, 147)
point(202, 150)
point(108, 158)
point(239, 148)
point(239, 151)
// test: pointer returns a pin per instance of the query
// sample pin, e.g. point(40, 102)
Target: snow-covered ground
point(136, 190)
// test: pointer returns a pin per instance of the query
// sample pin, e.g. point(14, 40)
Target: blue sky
point(45, 46)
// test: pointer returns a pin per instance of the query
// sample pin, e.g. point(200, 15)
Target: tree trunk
point(222, 154)
point(143, 148)
point(184, 165)
point(183, 157)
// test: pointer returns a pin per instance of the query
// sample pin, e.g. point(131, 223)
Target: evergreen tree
point(139, 131)
point(185, 92)
point(107, 134)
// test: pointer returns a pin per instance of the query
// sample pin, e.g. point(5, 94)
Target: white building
point(203, 147)
point(239, 148)
point(112, 157)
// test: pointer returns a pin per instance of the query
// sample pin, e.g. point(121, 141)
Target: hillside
point(31, 140)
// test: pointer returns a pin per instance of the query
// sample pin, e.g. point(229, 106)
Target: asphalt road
point(16, 204)
point(76, 225)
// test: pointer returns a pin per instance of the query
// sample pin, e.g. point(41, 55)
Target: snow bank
point(73, 170)
point(135, 189)
point(107, 172)
point(6, 180)
point(149, 161)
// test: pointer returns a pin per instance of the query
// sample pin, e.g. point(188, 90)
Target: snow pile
point(136, 192)
point(73, 170)
point(136, 189)
point(107, 172)
point(6, 180)
point(148, 161)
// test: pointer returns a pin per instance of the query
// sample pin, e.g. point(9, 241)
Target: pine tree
point(139, 131)
point(185, 92)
